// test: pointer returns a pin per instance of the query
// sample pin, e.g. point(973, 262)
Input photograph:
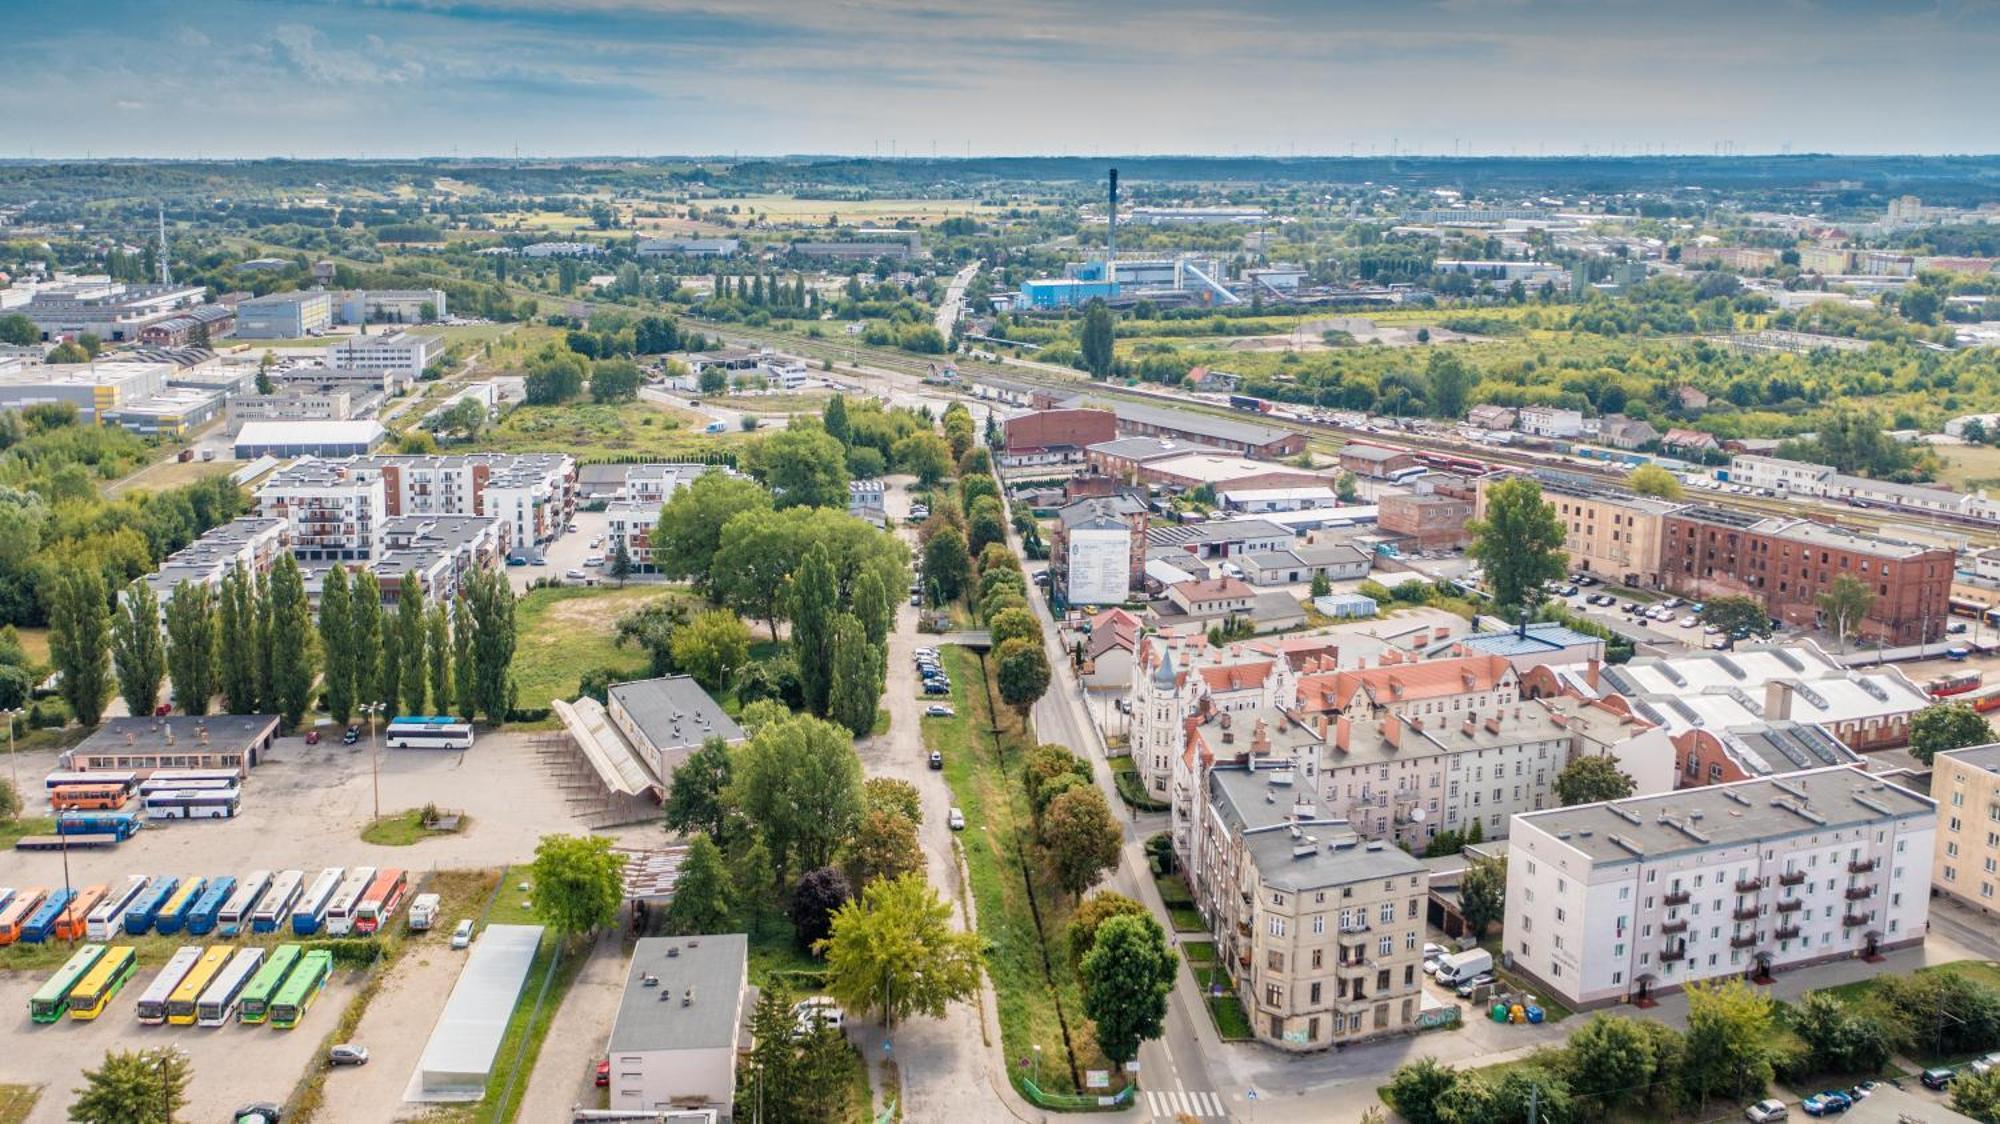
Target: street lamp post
point(374, 753)
point(13, 766)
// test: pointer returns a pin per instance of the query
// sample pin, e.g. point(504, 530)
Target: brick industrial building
point(1055, 436)
point(1710, 552)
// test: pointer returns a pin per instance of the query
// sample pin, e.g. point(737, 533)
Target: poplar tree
point(492, 642)
point(236, 651)
point(290, 636)
point(80, 641)
point(191, 633)
point(336, 639)
point(365, 635)
point(857, 677)
point(410, 641)
point(438, 654)
point(262, 640)
point(389, 664)
point(137, 651)
point(815, 597)
point(465, 673)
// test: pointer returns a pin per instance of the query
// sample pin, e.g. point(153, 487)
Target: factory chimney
point(1111, 234)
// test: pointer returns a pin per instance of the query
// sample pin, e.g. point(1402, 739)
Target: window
point(1319, 958)
point(1275, 961)
point(1315, 1001)
point(1319, 922)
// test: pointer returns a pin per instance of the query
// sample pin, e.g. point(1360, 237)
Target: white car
point(594, 560)
point(1764, 1111)
point(461, 937)
point(817, 1009)
point(574, 575)
point(955, 820)
point(1690, 622)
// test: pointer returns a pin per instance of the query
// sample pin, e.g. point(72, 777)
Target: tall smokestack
point(1111, 233)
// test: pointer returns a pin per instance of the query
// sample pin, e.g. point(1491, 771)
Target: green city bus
point(301, 988)
point(255, 1005)
point(119, 964)
point(48, 1004)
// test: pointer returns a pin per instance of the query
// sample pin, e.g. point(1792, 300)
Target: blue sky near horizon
point(235, 78)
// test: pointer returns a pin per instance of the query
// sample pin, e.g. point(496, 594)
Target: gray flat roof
point(1341, 856)
point(1985, 757)
point(675, 712)
point(713, 968)
point(459, 1055)
point(1204, 425)
point(1148, 448)
point(151, 735)
point(1697, 819)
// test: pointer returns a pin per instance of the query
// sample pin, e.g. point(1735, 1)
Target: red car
point(604, 1073)
point(312, 737)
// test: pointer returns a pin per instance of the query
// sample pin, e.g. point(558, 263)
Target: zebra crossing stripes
point(1171, 1104)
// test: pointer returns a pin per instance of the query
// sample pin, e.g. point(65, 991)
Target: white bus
point(311, 907)
point(193, 803)
point(340, 910)
point(275, 907)
point(153, 1004)
point(107, 918)
point(428, 733)
point(242, 901)
point(217, 1005)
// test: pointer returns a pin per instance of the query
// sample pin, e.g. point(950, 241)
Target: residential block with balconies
point(1322, 931)
point(334, 511)
point(1624, 900)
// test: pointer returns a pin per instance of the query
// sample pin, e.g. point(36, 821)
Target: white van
point(594, 560)
point(1461, 966)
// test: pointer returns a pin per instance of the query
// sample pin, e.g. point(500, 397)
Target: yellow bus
point(183, 1003)
point(97, 988)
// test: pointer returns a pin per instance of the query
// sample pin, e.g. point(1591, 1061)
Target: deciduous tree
point(1947, 725)
point(1096, 342)
point(1736, 614)
point(1081, 837)
point(365, 636)
point(816, 898)
point(814, 599)
point(893, 951)
point(696, 800)
point(336, 632)
point(1520, 543)
point(690, 527)
point(1093, 912)
point(799, 783)
point(1652, 480)
point(946, 567)
point(1023, 672)
point(1845, 604)
point(236, 650)
point(803, 466)
point(133, 1087)
point(1729, 1026)
point(291, 642)
point(1591, 778)
point(857, 677)
point(702, 892)
point(712, 648)
point(137, 651)
point(578, 883)
point(411, 640)
point(1127, 976)
point(437, 657)
point(1482, 894)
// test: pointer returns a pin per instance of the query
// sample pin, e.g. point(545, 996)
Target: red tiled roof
point(1236, 676)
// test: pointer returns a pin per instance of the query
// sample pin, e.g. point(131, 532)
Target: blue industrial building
point(1064, 292)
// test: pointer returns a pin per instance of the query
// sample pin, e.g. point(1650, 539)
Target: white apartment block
point(534, 492)
point(632, 523)
point(1322, 931)
point(1617, 901)
point(656, 483)
point(335, 512)
point(1796, 478)
point(251, 541)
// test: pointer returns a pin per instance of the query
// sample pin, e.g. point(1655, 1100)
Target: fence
point(1078, 1102)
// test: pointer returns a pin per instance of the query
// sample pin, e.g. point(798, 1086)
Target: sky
point(374, 78)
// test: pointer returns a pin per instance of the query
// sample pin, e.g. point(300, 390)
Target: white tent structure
point(459, 1056)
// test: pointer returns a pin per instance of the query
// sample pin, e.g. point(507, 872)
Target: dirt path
point(563, 1076)
point(395, 1028)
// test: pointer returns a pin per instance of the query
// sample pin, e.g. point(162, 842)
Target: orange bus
point(22, 907)
point(379, 904)
point(89, 797)
point(69, 927)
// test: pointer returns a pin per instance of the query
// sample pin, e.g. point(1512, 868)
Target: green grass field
point(592, 432)
point(1969, 467)
point(401, 829)
point(998, 823)
point(565, 631)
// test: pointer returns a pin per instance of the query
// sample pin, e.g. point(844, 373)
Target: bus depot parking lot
point(303, 808)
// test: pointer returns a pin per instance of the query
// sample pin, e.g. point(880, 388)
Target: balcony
point(1743, 942)
point(1790, 905)
point(1860, 893)
point(1787, 932)
point(1792, 878)
point(1669, 955)
point(1673, 926)
point(1745, 913)
point(1863, 866)
point(1356, 926)
point(1678, 897)
point(1749, 885)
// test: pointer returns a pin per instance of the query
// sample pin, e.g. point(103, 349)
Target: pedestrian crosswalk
point(1172, 1104)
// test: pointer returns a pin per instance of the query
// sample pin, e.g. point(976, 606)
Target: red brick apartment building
point(1787, 563)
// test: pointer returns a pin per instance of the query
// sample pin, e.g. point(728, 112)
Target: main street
point(954, 300)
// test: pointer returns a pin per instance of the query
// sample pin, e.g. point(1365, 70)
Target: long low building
point(1252, 439)
point(458, 1059)
point(217, 741)
point(351, 438)
point(1627, 899)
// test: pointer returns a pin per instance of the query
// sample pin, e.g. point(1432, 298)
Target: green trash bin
point(1498, 1013)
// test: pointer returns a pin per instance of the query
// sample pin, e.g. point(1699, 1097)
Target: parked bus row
point(338, 901)
point(197, 986)
point(112, 791)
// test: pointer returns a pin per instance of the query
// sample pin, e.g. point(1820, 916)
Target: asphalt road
point(954, 299)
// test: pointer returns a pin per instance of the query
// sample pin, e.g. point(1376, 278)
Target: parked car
point(350, 735)
point(1690, 622)
point(1833, 1102)
point(263, 1112)
point(461, 936)
point(916, 599)
point(1765, 1110)
point(573, 574)
point(312, 737)
point(347, 1053)
point(1671, 603)
point(955, 820)
point(939, 710)
point(1986, 1062)
point(1864, 1090)
point(937, 760)
point(817, 1009)
point(1483, 979)
point(1938, 1077)
point(603, 1072)
point(933, 687)
point(1570, 591)
point(594, 560)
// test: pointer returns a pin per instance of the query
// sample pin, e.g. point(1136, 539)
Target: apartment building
point(1797, 478)
point(1710, 552)
point(1097, 550)
point(656, 483)
point(1550, 421)
point(1426, 522)
point(632, 523)
point(1411, 687)
point(441, 550)
point(335, 511)
point(1628, 899)
point(252, 541)
point(1405, 779)
point(1607, 531)
point(1965, 783)
point(1322, 931)
point(535, 492)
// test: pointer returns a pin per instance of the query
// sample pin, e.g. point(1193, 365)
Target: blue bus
point(201, 918)
point(312, 905)
point(173, 914)
point(146, 907)
point(123, 825)
point(43, 921)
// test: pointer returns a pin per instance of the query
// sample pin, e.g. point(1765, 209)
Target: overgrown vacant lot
point(565, 631)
